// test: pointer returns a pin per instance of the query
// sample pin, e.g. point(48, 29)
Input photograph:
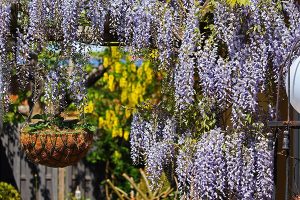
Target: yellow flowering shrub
point(89, 108)
point(125, 84)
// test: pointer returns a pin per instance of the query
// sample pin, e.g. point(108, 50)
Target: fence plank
point(54, 183)
point(68, 181)
point(61, 184)
point(42, 187)
point(17, 157)
point(24, 183)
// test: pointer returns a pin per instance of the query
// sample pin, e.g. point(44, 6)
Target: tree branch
point(94, 77)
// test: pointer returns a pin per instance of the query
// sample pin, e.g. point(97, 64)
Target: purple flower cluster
point(55, 89)
point(228, 26)
point(5, 65)
point(249, 53)
point(117, 9)
point(143, 17)
point(184, 166)
point(77, 83)
point(218, 165)
point(165, 39)
point(136, 135)
point(153, 142)
point(35, 24)
point(234, 166)
point(225, 165)
point(97, 13)
point(22, 55)
point(264, 182)
point(184, 71)
point(143, 135)
point(159, 155)
point(214, 73)
point(208, 173)
point(70, 12)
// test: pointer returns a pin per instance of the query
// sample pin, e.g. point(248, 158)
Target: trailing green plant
point(59, 123)
point(8, 192)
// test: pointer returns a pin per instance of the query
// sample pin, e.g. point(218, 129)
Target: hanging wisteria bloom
point(5, 65)
point(165, 38)
point(220, 60)
point(70, 12)
point(184, 71)
point(215, 74)
point(35, 26)
point(184, 162)
point(97, 13)
point(208, 174)
point(265, 165)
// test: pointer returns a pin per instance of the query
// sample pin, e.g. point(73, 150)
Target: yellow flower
point(139, 89)
point(124, 96)
point(111, 85)
point(114, 133)
point(117, 155)
point(118, 67)
point(123, 82)
point(114, 51)
point(129, 58)
point(132, 67)
point(117, 108)
point(108, 115)
point(89, 108)
point(120, 132)
point(125, 74)
point(140, 73)
point(133, 99)
point(115, 122)
point(127, 113)
point(154, 54)
point(126, 135)
point(146, 64)
point(105, 76)
point(101, 122)
point(105, 62)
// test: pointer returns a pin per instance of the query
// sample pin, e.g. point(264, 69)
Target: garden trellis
point(221, 60)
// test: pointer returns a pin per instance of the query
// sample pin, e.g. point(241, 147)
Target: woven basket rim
point(55, 130)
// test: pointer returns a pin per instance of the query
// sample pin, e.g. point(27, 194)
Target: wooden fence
point(36, 182)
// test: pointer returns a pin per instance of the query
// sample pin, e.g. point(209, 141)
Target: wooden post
point(61, 184)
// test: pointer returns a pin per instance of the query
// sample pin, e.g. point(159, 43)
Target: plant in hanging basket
point(56, 142)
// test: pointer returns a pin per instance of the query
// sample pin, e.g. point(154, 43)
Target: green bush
point(8, 192)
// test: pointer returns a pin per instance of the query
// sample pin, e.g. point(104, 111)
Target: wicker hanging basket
point(56, 148)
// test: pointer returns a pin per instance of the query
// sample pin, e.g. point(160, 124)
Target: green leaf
point(233, 3)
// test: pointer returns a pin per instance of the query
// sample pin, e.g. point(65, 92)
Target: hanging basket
point(56, 148)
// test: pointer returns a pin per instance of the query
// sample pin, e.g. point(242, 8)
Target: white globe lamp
point(294, 84)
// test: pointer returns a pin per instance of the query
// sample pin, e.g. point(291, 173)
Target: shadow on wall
point(6, 172)
point(95, 169)
point(35, 182)
point(88, 177)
